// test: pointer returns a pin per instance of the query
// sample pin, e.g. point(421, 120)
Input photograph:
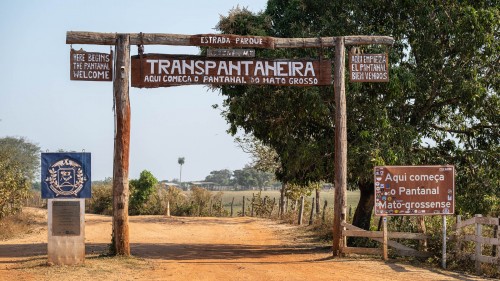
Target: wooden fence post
point(479, 246)
point(221, 208)
point(323, 218)
point(272, 208)
point(458, 233)
point(168, 208)
point(251, 208)
point(232, 203)
point(318, 202)
point(494, 250)
point(301, 210)
point(243, 209)
point(421, 226)
point(312, 212)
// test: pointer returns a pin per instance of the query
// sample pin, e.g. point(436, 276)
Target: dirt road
point(200, 249)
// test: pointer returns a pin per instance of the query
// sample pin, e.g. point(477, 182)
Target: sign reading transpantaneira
point(414, 190)
point(368, 67)
point(91, 66)
point(159, 70)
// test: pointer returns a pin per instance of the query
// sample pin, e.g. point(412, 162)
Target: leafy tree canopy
point(141, 189)
point(441, 105)
point(19, 164)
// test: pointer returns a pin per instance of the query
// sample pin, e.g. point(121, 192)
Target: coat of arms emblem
point(64, 176)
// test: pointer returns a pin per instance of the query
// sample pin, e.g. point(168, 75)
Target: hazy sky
point(39, 102)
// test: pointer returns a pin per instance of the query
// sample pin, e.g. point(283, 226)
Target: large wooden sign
point(368, 67)
point(236, 41)
point(414, 190)
point(91, 66)
point(158, 70)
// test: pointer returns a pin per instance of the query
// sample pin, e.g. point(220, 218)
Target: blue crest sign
point(66, 175)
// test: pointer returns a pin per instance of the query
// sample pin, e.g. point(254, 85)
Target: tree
point(221, 177)
point(249, 177)
point(180, 160)
point(19, 164)
point(440, 106)
point(140, 190)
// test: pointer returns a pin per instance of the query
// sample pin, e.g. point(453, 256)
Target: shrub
point(102, 200)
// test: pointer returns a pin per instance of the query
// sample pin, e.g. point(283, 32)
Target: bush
point(102, 199)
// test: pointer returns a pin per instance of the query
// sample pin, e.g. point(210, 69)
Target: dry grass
point(19, 224)
point(94, 268)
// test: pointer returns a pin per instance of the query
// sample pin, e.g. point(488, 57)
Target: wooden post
point(494, 249)
point(168, 208)
point(232, 203)
point(479, 246)
point(458, 245)
point(340, 145)
point(263, 207)
point(323, 216)
point(385, 239)
point(122, 146)
point(243, 209)
point(318, 203)
point(422, 229)
point(443, 259)
point(272, 208)
point(221, 208)
point(251, 207)
point(282, 201)
point(312, 213)
point(301, 210)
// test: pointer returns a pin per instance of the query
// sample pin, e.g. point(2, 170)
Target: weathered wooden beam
point(362, 251)
point(98, 38)
point(122, 147)
point(340, 166)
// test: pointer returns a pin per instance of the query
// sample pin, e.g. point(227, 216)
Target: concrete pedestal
point(66, 231)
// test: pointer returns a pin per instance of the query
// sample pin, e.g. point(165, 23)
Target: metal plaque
point(65, 218)
point(414, 190)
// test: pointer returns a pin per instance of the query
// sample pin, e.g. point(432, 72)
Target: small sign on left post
point(91, 66)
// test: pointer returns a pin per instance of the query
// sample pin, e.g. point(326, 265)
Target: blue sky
point(39, 102)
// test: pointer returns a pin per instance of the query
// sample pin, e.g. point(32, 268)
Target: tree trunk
point(363, 213)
